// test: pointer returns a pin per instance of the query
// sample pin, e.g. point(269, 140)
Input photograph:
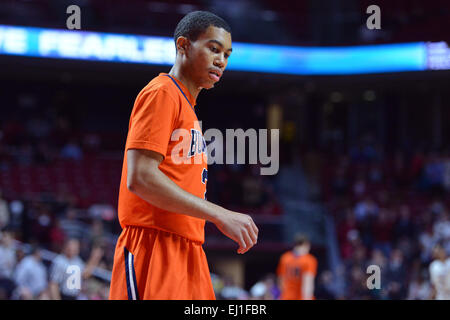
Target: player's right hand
point(240, 228)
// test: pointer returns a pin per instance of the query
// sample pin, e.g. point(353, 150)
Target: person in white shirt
point(31, 276)
point(7, 254)
point(440, 273)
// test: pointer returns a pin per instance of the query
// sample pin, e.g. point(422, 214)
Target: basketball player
point(296, 271)
point(162, 205)
point(440, 273)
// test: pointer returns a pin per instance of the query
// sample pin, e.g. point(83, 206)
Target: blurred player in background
point(162, 205)
point(297, 270)
point(440, 273)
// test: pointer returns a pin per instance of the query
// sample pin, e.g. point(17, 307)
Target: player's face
point(209, 56)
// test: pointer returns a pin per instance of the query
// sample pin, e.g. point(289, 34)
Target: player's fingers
point(242, 245)
point(253, 234)
point(255, 228)
point(248, 241)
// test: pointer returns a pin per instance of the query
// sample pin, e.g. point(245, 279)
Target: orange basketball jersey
point(163, 120)
point(291, 269)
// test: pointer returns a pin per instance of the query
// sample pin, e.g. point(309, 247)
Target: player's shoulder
point(160, 82)
point(310, 258)
point(286, 255)
point(59, 260)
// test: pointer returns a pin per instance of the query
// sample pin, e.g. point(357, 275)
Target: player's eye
point(214, 49)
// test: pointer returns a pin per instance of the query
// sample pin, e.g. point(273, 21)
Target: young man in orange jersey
point(162, 205)
point(297, 270)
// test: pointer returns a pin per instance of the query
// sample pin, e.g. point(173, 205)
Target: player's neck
point(182, 76)
point(300, 251)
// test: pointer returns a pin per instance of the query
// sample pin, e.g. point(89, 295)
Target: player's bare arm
point(307, 286)
point(146, 180)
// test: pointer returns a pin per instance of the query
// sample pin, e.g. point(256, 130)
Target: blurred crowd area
point(390, 210)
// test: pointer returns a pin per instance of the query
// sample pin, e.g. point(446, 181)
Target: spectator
point(56, 235)
point(365, 209)
point(31, 276)
point(7, 255)
point(4, 212)
point(72, 151)
point(441, 228)
point(375, 174)
point(440, 273)
point(426, 243)
point(7, 264)
point(404, 226)
point(96, 233)
point(378, 258)
point(359, 187)
point(71, 227)
point(67, 266)
point(357, 287)
point(340, 182)
point(325, 289)
point(420, 288)
point(265, 289)
point(434, 172)
point(217, 283)
point(345, 228)
point(42, 225)
point(382, 231)
point(231, 291)
point(102, 211)
point(396, 275)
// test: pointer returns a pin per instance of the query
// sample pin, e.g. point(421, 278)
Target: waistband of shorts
point(156, 229)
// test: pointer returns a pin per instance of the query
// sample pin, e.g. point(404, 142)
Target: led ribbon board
point(98, 46)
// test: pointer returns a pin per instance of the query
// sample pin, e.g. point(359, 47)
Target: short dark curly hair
point(301, 239)
point(195, 23)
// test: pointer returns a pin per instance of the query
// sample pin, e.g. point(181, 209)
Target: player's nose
point(219, 61)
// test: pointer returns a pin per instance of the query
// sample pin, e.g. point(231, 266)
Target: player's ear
point(182, 45)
